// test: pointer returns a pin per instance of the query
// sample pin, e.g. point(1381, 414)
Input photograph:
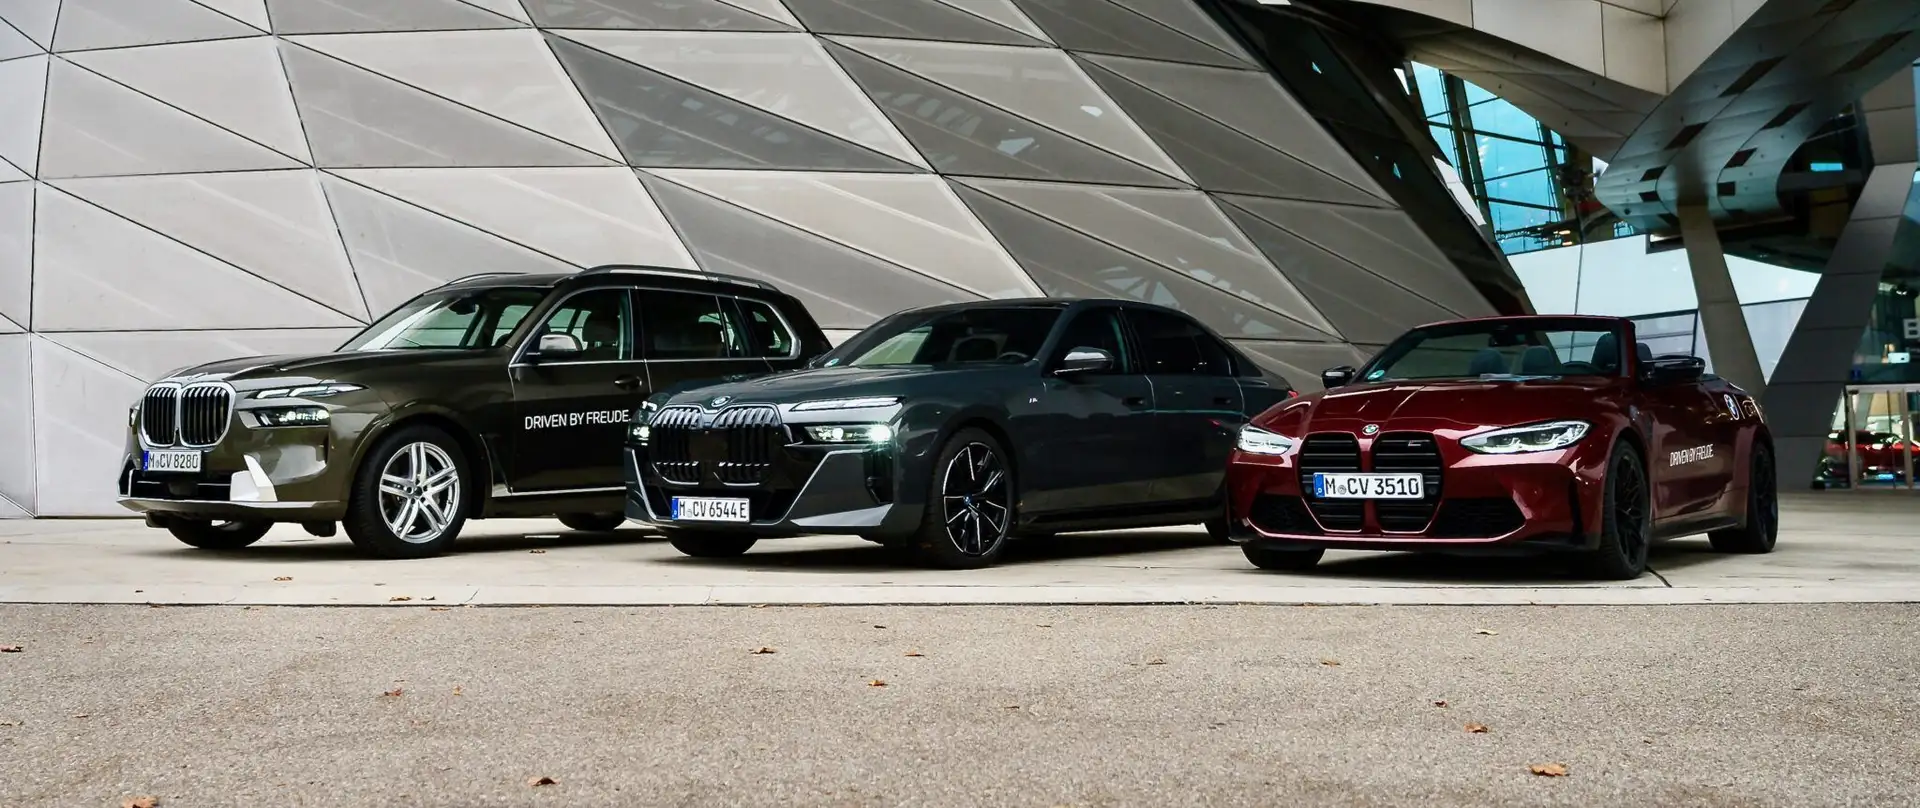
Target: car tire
point(213, 535)
point(409, 499)
point(705, 544)
point(1626, 520)
point(1217, 530)
point(1283, 559)
point(1763, 509)
point(971, 478)
point(592, 522)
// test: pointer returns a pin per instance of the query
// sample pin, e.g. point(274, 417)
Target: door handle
point(627, 382)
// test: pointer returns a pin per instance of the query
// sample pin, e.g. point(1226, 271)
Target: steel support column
point(1725, 324)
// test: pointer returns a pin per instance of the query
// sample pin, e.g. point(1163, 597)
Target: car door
point(694, 338)
point(1687, 451)
point(1086, 439)
point(1197, 403)
point(571, 411)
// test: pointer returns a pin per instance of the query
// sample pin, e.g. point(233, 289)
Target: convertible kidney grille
point(1331, 452)
point(1408, 452)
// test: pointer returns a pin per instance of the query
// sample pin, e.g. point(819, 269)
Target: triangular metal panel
point(96, 127)
point(658, 120)
point(251, 12)
point(89, 24)
point(236, 83)
point(80, 428)
point(1187, 17)
point(960, 134)
point(842, 287)
point(649, 15)
point(1102, 27)
point(23, 93)
point(14, 44)
point(150, 355)
point(1222, 159)
point(1068, 263)
point(1040, 84)
point(511, 9)
point(96, 271)
point(771, 9)
point(906, 19)
point(16, 251)
point(1002, 12)
point(35, 18)
point(510, 75)
point(16, 420)
point(274, 224)
point(368, 16)
point(11, 173)
point(356, 118)
point(787, 75)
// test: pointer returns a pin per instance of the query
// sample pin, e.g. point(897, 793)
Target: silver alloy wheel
point(975, 497)
point(419, 492)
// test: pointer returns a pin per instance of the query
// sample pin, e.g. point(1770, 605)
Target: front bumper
point(1490, 504)
point(809, 489)
point(278, 474)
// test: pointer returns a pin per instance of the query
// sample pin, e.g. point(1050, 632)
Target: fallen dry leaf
point(537, 552)
point(1043, 625)
point(140, 802)
point(763, 650)
point(915, 654)
point(1477, 728)
point(877, 683)
point(1013, 706)
point(456, 690)
point(17, 723)
point(1548, 769)
point(394, 693)
point(284, 578)
point(436, 597)
point(11, 649)
point(1156, 661)
point(542, 781)
point(1331, 663)
point(876, 625)
point(398, 598)
point(758, 606)
point(83, 715)
point(441, 608)
point(1440, 703)
point(1487, 631)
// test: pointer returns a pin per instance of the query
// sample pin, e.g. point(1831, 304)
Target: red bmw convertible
point(1507, 435)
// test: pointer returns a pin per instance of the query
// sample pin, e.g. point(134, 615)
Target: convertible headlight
point(307, 391)
point(846, 403)
point(1522, 439)
point(853, 433)
point(293, 416)
point(1254, 440)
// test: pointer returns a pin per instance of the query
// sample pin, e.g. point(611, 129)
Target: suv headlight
point(306, 391)
point(1254, 440)
point(1522, 439)
point(293, 416)
point(846, 403)
point(851, 433)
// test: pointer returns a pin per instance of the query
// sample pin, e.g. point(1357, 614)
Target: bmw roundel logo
point(1370, 429)
point(719, 401)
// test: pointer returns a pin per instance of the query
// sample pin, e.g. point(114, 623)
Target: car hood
point(821, 383)
point(1441, 405)
point(302, 368)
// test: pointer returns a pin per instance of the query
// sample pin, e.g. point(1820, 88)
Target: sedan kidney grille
point(670, 444)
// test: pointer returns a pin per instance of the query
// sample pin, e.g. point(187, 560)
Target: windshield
point(1501, 349)
point(954, 336)
point(471, 320)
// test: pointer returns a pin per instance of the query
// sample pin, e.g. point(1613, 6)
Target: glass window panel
point(1503, 118)
point(1099, 329)
point(767, 334)
point(1170, 345)
point(682, 325)
point(1500, 156)
point(1444, 137)
point(1508, 218)
point(1433, 91)
point(1476, 94)
point(598, 320)
point(1531, 188)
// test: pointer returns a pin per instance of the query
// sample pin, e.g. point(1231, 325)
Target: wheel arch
point(480, 461)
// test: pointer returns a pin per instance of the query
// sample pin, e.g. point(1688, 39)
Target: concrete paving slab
point(1839, 547)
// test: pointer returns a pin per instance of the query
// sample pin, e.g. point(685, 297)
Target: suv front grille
point(739, 446)
point(1331, 451)
point(1408, 452)
point(191, 415)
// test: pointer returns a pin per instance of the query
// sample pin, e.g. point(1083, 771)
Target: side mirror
point(1673, 370)
point(1337, 377)
point(555, 346)
point(1085, 360)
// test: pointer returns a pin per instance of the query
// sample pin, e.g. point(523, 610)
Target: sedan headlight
point(293, 416)
point(853, 433)
point(846, 403)
point(1521, 439)
point(1254, 440)
point(307, 391)
point(640, 433)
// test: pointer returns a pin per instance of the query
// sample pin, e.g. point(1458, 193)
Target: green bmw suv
point(491, 396)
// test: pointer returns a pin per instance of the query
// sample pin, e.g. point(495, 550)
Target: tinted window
point(1520, 348)
point(949, 336)
point(686, 325)
point(598, 319)
point(1095, 329)
point(765, 334)
point(1175, 345)
point(471, 320)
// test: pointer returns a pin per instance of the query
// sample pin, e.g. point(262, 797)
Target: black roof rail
point(465, 278)
point(611, 269)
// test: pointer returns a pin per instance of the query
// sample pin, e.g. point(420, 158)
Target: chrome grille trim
point(206, 411)
point(160, 415)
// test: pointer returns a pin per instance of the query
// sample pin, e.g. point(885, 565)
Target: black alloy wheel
point(969, 511)
point(1626, 520)
point(1762, 528)
point(217, 535)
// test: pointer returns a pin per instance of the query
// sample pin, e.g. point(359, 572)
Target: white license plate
point(700, 509)
point(1368, 486)
point(183, 462)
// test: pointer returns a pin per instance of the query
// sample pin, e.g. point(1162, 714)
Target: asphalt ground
point(1755, 705)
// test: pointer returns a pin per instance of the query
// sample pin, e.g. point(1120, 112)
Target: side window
point(1171, 345)
point(508, 319)
point(766, 335)
point(1099, 328)
point(599, 320)
point(686, 325)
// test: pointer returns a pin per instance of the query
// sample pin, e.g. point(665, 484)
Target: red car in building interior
point(1507, 435)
